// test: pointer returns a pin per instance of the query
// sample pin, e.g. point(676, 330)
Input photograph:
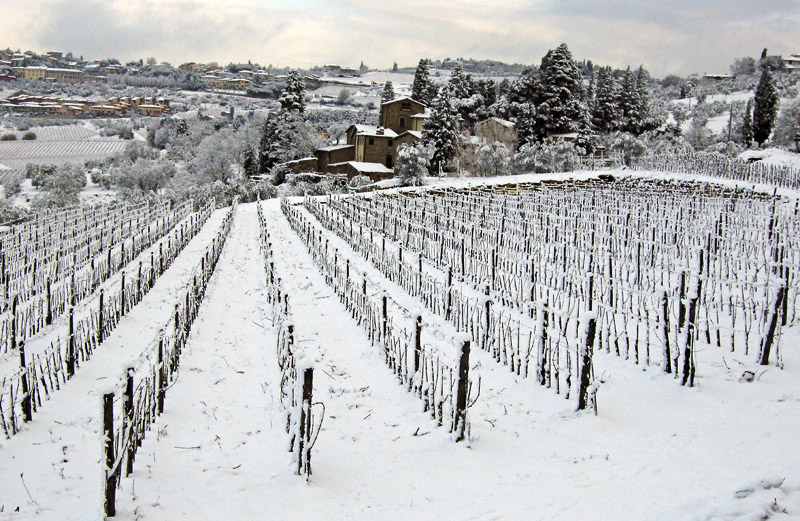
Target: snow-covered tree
point(788, 125)
point(766, 107)
point(493, 159)
point(747, 125)
point(285, 137)
point(606, 110)
point(560, 107)
point(423, 89)
point(388, 92)
point(413, 163)
point(293, 97)
point(441, 131)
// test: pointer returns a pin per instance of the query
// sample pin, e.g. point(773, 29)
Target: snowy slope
point(655, 451)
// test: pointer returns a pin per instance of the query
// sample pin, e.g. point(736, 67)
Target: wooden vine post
point(586, 366)
point(769, 339)
point(460, 417)
point(109, 502)
point(304, 428)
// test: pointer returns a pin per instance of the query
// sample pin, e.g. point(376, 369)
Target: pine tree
point(629, 103)
point(747, 124)
point(606, 111)
point(423, 89)
point(249, 163)
point(561, 107)
point(293, 97)
point(388, 92)
point(285, 137)
point(526, 125)
point(459, 85)
point(441, 132)
point(766, 107)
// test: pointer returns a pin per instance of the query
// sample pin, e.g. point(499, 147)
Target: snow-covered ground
point(656, 450)
point(773, 156)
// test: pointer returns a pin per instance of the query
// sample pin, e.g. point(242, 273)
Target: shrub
point(29, 136)
point(8, 137)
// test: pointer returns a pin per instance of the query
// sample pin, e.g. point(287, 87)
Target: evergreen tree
point(388, 92)
point(285, 137)
point(561, 107)
point(488, 90)
point(423, 89)
point(249, 164)
point(629, 103)
point(747, 124)
point(293, 97)
point(441, 132)
point(766, 107)
point(590, 91)
point(459, 84)
point(526, 125)
point(606, 111)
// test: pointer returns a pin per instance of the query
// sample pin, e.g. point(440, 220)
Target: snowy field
point(59, 145)
point(723, 450)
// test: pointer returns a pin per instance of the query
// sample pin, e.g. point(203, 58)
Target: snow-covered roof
point(334, 147)
point(374, 168)
point(375, 132)
point(422, 115)
point(501, 121)
point(416, 133)
point(402, 98)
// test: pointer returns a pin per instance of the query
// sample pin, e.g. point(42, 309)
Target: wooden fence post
point(13, 335)
point(27, 401)
point(449, 311)
point(109, 503)
point(128, 421)
point(665, 331)
point(304, 428)
point(71, 355)
point(417, 342)
point(586, 365)
point(48, 319)
point(100, 333)
point(460, 418)
point(162, 374)
point(769, 339)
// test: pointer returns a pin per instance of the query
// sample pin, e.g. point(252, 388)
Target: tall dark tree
point(629, 103)
point(423, 89)
point(488, 90)
point(747, 124)
point(459, 85)
point(765, 109)
point(285, 137)
point(441, 131)
point(294, 97)
point(605, 110)
point(526, 124)
point(561, 107)
point(388, 92)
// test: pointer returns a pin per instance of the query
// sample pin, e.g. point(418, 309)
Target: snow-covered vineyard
point(580, 346)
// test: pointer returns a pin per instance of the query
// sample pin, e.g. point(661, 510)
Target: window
point(405, 106)
point(390, 143)
point(389, 160)
point(372, 141)
point(402, 122)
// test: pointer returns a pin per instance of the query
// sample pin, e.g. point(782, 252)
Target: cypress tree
point(747, 124)
point(766, 107)
point(606, 110)
point(388, 92)
point(561, 107)
point(293, 97)
point(441, 132)
point(423, 89)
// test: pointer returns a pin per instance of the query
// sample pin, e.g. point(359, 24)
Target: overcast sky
point(673, 36)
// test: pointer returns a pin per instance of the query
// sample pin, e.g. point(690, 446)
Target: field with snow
point(299, 284)
point(57, 145)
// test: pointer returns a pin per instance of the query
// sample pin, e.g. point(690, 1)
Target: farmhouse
point(397, 114)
